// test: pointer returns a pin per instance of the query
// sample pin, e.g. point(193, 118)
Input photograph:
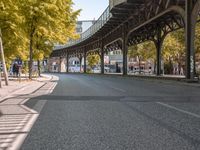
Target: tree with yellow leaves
point(143, 52)
point(93, 60)
point(197, 47)
point(13, 40)
point(48, 21)
point(173, 51)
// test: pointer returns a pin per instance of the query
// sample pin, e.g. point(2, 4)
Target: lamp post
point(3, 60)
point(0, 80)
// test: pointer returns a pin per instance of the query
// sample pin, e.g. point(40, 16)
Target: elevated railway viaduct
point(129, 22)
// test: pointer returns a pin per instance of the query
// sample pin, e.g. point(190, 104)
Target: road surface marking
point(52, 88)
point(180, 110)
point(24, 101)
point(118, 89)
point(39, 105)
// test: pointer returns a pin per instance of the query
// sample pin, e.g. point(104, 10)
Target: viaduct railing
point(91, 30)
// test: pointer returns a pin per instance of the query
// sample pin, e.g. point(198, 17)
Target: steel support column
point(124, 49)
point(158, 43)
point(158, 58)
point(80, 61)
point(102, 58)
point(189, 39)
point(85, 57)
point(67, 63)
point(60, 66)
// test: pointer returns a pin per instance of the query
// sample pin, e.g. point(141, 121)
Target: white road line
point(30, 123)
point(24, 101)
point(17, 142)
point(28, 109)
point(180, 110)
point(39, 105)
point(50, 90)
point(118, 89)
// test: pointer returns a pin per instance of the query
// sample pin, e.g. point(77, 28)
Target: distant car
point(96, 70)
point(110, 68)
point(106, 69)
point(74, 68)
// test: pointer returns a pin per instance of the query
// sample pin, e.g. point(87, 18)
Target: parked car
point(96, 70)
point(111, 68)
point(74, 68)
point(106, 69)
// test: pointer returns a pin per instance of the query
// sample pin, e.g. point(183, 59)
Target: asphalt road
point(87, 112)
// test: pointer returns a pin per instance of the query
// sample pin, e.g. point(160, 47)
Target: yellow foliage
point(93, 60)
point(42, 22)
point(143, 51)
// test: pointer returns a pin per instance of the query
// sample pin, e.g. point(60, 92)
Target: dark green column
point(189, 39)
point(85, 65)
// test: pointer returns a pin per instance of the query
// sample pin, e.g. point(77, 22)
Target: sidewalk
point(16, 85)
point(13, 86)
point(16, 119)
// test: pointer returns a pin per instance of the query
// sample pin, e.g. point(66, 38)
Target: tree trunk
point(3, 60)
point(39, 69)
point(179, 67)
point(139, 65)
point(154, 67)
point(171, 66)
point(0, 81)
point(31, 58)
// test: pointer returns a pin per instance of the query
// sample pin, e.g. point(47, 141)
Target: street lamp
point(3, 60)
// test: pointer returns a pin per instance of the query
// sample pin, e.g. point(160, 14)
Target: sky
point(91, 9)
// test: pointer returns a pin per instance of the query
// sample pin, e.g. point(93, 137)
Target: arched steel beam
point(176, 9)
point(195, 11)
point(118, 39)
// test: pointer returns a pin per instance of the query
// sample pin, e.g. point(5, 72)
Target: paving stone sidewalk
point(16, 85)
point(16, 119)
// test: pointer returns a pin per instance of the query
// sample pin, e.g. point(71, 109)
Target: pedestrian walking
point(14, 69)
point(17, 70)
point(181, 71)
